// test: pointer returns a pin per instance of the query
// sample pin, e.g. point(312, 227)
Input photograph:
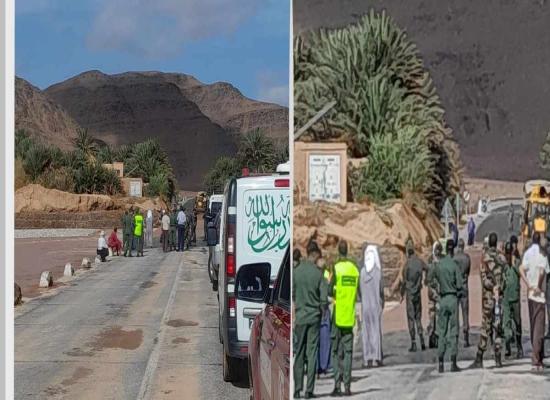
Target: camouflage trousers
point(512, 321)
point(432, 317)
point(414, 316)
point(487, 325)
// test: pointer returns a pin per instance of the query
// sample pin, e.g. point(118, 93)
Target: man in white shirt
point(533, 270)
point(182, 219)
point(102, 248)
point(165, 222)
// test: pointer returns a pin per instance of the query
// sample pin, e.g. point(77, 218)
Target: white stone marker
point(86, 263)
point(46, 279)
point(69, 270)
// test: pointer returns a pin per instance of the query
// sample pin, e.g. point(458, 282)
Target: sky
point(243, 42)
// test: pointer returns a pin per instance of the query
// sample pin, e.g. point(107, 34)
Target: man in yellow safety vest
point(343, 289)
point(138, 233)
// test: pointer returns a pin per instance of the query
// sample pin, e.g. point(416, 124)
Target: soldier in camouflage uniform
point(433, 296)
point(188, 229)
point(492, 282)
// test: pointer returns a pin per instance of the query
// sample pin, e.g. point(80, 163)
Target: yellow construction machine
point(536, 208)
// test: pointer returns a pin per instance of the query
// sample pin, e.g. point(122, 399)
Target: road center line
point(152, 362)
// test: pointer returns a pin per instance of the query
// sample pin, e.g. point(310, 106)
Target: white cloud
point(273, 88)
point(162, 27)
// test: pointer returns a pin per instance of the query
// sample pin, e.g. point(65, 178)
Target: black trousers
point(103, 253)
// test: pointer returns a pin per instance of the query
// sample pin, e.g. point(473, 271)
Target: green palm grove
point(81, 170)
point(387, 110)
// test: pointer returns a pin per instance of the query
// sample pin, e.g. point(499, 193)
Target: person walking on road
point(138, 234)
point(511, 302)
point(309, 296)
point(449, 284)
point(149, 229)
point(127, 232)
point(433, 294)
point(471, 231)
point(492, 282)
point(182, 220)
point(533, 270)
point(511, 218)
point(371, 292)
point(463, 261)
point(165, 225)
point(411, 288)
point(343, 289)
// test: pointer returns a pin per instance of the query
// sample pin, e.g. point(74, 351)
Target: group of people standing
point(325, 299)
point(501, 273)
point(178, 229)
point(137, 232)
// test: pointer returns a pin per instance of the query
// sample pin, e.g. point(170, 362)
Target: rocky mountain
point(490, 62)
point(194, 122)
point(40, 116)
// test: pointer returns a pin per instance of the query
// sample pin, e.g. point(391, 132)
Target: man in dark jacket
point(309, 296)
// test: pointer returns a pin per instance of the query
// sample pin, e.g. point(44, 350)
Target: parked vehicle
point(269, 347)
point(254, 228)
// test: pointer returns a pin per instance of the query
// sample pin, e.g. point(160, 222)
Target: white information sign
point(324, 177)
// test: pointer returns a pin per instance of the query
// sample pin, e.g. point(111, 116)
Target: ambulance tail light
point(282, 183)
point(230, 256)
point(232, 306)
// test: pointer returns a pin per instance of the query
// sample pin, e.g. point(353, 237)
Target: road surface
point(414, 375)
point(133, 328)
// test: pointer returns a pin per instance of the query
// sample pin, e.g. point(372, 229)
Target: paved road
point(414, 375)
point(140, 328)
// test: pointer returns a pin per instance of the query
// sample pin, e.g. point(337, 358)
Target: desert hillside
point(489, 61)
point(194, 122)
point(42, 117)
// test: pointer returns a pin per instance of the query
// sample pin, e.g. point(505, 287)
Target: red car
point(269, 346)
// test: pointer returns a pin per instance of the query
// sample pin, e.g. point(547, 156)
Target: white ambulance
point(254, 228)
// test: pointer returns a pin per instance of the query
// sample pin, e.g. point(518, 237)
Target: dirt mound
point(36, 198)
point(358, 224)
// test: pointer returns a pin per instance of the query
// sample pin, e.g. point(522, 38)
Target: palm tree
point(85, 145)
point(257, 151)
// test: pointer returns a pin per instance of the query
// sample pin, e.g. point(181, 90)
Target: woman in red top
point(114, 242)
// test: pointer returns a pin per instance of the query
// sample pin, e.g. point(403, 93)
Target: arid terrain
point(194, 122)
point(491, 77)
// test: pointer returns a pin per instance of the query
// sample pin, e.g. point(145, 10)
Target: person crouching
point(102, 248)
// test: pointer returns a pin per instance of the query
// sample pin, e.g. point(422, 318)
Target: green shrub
point(397, 164)
point(60, 179)
point(380, 86)
point(36, 159)
point(158, 186)
point(94, 178)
